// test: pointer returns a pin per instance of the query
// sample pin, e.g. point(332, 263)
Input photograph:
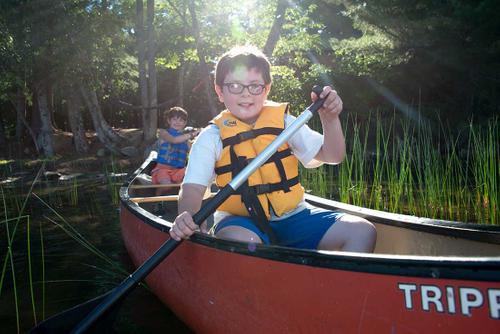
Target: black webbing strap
point(281, 170)
point(275, 157)
point(250, 199)
point(250, 134)
point(272, 187)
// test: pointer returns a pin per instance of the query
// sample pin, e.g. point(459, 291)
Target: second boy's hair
point(246, 56)
point(176, 112)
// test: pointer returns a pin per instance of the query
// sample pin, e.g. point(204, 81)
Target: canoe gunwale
point(467, 268)
point(471, 231)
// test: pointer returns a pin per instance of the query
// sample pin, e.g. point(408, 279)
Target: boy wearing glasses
point(268, 208)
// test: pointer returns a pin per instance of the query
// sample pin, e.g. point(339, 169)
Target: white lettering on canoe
point(431, 295)
point(408, 288)
point(470, 298)
point(494, 300)
point(434, 298)
point(450, 299)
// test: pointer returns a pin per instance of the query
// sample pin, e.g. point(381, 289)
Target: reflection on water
point(65, 273)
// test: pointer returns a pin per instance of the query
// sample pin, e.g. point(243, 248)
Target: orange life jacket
point(276, 183)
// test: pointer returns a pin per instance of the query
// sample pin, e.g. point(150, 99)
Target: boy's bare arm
point(333, 149)
point(164, 135)
point(190, 199)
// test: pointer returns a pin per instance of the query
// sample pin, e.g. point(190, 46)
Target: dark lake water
point(66, 273)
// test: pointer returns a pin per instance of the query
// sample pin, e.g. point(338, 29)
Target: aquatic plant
point(416, 168)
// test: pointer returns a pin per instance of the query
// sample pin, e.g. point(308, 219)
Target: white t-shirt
point(207, 148)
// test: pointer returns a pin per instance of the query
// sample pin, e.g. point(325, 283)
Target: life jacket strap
point(250, 134)
point(275, 157)
point(250, 199)
point(272, 187)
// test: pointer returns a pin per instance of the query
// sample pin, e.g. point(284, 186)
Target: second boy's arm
point(164, 135)
point(333, 149)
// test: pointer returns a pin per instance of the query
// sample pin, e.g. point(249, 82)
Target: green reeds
point(410, 167)
point(42, 255)
point(30, 271)
point(486, 171)
point(113, 188)
point(353, 186)
point(10, 238)
point(73, 192)
point(78, 237)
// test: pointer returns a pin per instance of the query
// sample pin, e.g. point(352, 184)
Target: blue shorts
point(304, 229)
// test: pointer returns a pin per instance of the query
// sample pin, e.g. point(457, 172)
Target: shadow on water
point(64, 272)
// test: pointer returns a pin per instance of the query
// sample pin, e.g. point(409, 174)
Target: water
point(73, 273)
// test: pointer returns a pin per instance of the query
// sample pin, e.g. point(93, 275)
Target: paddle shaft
point(210, 207)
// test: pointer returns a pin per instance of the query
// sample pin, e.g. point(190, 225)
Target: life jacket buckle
point(244, 136)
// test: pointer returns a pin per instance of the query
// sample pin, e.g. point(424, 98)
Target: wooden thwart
point(145, 186)
point(165, 198)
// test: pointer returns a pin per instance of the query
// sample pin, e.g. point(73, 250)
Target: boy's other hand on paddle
point(184, 227)
point(332, 107)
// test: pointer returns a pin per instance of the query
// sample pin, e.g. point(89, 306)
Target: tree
point(448, 49)
point(76, 120)
point(204, 71)
point(274, 33)
point(141, 61)
point(151, 127)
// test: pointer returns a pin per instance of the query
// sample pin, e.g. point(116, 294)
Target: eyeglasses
point(237, 88)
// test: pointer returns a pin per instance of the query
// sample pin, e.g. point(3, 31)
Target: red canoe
point(426, 276)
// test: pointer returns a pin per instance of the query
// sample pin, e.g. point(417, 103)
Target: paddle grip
point(314, 107)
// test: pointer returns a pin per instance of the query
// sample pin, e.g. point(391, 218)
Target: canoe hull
point(220, 287)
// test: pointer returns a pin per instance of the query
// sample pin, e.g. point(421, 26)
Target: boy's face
point(244, 106)
point(176, 123)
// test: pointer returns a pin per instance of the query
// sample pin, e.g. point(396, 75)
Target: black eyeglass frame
point(229, 84)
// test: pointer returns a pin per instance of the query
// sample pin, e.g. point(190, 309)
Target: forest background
point(420, 81)
point(95, 66)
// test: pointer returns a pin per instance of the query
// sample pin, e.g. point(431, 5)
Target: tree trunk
point(3, 137)
point(182, 69)
point(150, 131)
point(204, 71)
point(50, 105)
point(45, 137)
point(76, 123)
point(141, 59)
point(35, 123)
point(20, 105)
point(275, 32)
point(104, 132)
point(180, 84)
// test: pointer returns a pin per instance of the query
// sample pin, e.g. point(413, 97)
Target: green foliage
point(445, 54)
point(370, 55)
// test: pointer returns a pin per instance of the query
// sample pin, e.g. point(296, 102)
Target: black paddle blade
point(65, 321)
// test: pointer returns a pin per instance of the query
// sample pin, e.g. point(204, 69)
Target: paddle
point(71, 317)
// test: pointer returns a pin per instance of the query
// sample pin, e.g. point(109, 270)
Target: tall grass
point(486, 170)
point(10, 238)
point(113, 188)
point(25, 277)
point(414, 168)
point(30, 271)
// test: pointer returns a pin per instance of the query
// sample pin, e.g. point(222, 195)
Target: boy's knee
point(239, 234)
point(362, 234)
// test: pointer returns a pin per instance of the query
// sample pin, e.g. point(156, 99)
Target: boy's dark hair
point(176, 112)
point(247, 56)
